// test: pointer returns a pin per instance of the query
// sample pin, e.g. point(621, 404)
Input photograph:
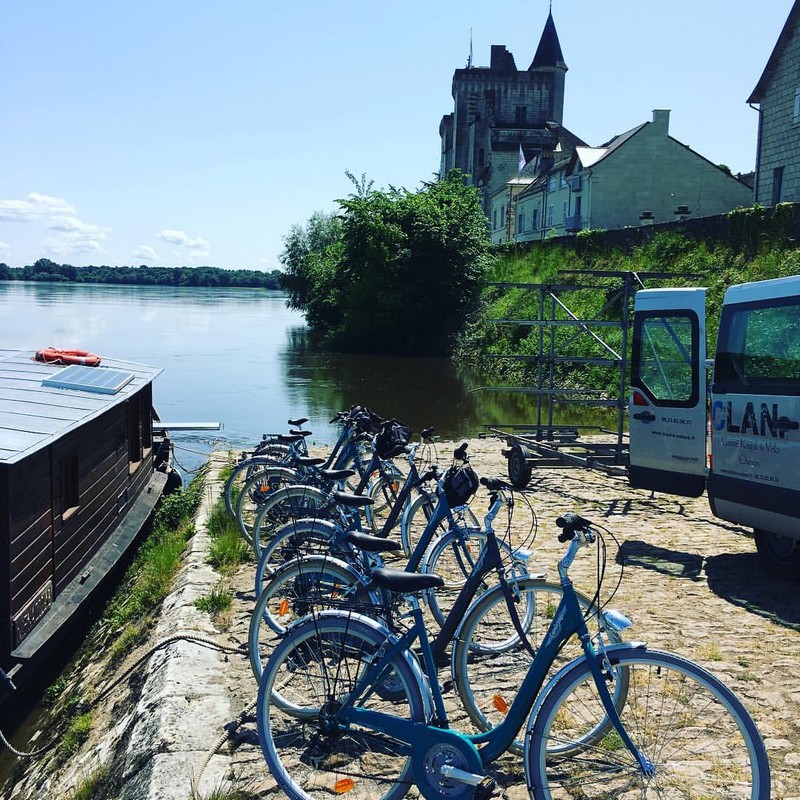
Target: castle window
point(494, 218)
point(521, 113)
point(490, 99)
point(535, 219)
point(551, 184)
point(796, 114)
point(481, 157)
point(520, 223)
point(549, 215)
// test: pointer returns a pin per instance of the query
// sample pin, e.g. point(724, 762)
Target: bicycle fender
point(570, 665)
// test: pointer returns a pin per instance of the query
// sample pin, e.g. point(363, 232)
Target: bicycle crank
point(449, 768)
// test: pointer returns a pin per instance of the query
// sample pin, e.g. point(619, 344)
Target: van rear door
point(667, 419)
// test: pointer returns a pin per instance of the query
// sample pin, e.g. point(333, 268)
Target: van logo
point(764, 425)
point(718, 416)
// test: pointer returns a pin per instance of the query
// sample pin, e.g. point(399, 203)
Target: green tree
point(404, 273)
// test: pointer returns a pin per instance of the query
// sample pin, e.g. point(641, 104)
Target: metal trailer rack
point(545, 443)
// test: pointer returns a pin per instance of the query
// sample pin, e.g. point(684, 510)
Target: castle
point(504, 116)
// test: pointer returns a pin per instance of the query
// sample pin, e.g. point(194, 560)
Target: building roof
point(548, 53)
point(772, 63)
point(589, 156)
point(33, 415)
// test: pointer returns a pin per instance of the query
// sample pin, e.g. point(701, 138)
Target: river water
point(240, 357)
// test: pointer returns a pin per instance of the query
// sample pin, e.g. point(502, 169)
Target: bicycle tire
point(294, 540)
point(296, 589)
point(255, 492)
point(488, 659)
point(416, 516)
point(284, 505)
point(312, 670)
point(687, 723)
point(453, 556)
point(240, 474)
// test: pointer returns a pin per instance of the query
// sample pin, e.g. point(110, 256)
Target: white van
point(750, 463)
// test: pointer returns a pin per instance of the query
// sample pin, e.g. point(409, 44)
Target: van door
point(667, 419)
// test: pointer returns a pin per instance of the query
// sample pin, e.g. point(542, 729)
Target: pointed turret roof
point(548, 53)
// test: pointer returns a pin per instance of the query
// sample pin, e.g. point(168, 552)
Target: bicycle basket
point(392, 439)
point(460, 483)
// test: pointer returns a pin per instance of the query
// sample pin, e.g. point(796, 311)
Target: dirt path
point(691, 584)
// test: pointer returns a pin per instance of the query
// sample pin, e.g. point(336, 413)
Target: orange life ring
point(52, 355)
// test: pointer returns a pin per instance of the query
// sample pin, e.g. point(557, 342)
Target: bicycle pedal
point(486, 789)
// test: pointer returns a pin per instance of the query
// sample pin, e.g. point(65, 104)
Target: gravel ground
point(692, 584)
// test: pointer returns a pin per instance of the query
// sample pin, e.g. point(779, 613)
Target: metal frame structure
point(546, 443)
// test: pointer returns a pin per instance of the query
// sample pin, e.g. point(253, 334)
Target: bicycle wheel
point(453, 557)
point(696, 733)
point(383, 493)
point(296, 589)
point(255, 492)
point(242, 472)
point(306, 537)
point(282, 506)
point(416, 516)
point(489, 661)
point(308, 677)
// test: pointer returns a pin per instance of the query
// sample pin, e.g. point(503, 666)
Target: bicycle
point(620, 720)
point(301, 584)
point(310, 472)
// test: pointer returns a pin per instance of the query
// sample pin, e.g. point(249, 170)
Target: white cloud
point(198, 246)
point(34, 208)
point(145, 253)
point(69, 245)
point(76, 237)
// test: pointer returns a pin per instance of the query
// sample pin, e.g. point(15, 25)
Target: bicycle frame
point(568, 620)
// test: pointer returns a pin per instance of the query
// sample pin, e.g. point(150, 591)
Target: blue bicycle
point(345, 707)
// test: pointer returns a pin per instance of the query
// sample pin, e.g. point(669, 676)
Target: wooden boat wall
point(80, 474)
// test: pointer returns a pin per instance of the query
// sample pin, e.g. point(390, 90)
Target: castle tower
point(499, 108)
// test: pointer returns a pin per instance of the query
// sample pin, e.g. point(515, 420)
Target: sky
point(192, 132)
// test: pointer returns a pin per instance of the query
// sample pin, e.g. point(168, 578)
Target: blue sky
point(188, 132)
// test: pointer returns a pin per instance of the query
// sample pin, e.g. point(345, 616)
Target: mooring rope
point(203, 641)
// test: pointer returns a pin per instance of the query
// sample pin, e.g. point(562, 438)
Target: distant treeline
point(48, 271)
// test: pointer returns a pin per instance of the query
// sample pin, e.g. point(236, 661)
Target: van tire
point(781, 554)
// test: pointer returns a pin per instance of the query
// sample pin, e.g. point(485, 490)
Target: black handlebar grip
point(571, 522)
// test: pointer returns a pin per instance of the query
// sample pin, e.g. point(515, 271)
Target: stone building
point(639, 177)
point(777, 95)
point(503, 115)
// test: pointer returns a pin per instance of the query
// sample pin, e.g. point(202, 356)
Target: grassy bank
point(759, 251)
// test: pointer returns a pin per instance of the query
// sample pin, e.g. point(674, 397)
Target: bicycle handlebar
point(571, 523)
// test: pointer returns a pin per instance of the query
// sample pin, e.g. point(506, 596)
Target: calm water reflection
point(240, 357)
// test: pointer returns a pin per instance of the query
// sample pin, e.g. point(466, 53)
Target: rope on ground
point(203, 641)
point(230, 729)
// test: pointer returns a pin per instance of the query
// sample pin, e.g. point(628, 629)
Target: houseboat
point(80, 475)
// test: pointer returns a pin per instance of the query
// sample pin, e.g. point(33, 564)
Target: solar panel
point(89, 379)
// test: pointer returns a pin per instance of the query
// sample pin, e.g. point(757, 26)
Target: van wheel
point(519, 470)
point(781, 553)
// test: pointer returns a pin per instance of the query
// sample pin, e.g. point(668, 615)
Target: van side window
point(759, 348)
point(662, 357)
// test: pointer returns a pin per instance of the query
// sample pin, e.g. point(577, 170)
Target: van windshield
point(758, 349)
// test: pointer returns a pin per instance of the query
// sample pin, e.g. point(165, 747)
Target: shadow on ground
point(741, 579)
point(635, 553)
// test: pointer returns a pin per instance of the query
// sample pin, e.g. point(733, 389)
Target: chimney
point(661, 120)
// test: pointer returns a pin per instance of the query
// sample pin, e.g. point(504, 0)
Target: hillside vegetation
point(752, 244)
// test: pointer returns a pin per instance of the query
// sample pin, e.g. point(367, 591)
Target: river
point(240, 357)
